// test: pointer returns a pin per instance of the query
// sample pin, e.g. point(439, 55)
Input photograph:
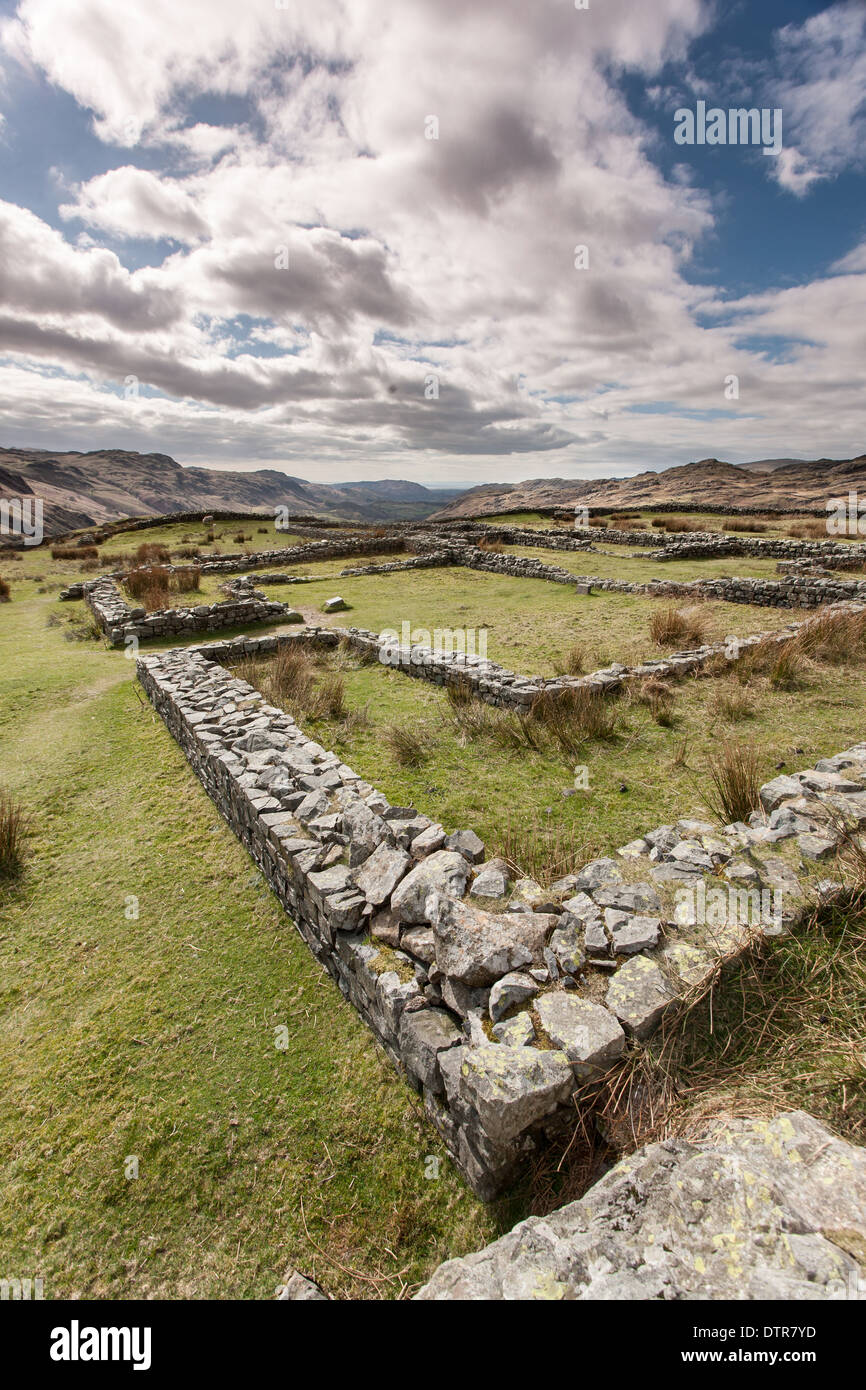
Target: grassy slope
point(155, 1037)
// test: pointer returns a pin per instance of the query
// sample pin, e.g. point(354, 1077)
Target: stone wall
point(298, 554)
point(119, 621)
point(499, 1000)
point(495, 684)
point(797, 590)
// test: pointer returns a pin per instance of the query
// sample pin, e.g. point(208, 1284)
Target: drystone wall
point(495, 684)
point(119, 621)
point(299, 554)
point(798, 590)
point(500, 1001)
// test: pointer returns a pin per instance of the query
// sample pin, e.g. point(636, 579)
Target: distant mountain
point(86, 489)
point(771, 484)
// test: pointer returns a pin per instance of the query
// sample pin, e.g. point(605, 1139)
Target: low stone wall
point(498, 1000)
point(495, 684)
point(299, 554)
point(119, 621)
point(795, 591)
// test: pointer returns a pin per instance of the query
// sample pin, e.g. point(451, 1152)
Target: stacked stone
point(119, 621)
point(333, 549)
point(479, 988)
point(495, 684)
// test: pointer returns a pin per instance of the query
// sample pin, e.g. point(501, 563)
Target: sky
point(429, 239)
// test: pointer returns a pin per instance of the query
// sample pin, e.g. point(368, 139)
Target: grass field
point(146, 1029)
point(154, 1036)
point(530, 625)
point(645, 775)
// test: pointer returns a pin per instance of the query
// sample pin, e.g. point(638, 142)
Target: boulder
point(443, 872)
point(478, 948)
point(513, 1087)
point(757, 1209)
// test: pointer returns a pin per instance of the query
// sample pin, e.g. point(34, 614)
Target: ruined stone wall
point(487, 993)
point(119, 621)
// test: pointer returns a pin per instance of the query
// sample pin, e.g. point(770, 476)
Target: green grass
point(262, 533)
point(621, 562)
point(155, 1037)
point(635, 781)
point(530, 624)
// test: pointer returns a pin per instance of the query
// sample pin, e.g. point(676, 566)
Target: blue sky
point(226, 234)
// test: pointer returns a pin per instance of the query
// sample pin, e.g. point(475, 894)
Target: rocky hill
point(82, 489)
point(773, 484)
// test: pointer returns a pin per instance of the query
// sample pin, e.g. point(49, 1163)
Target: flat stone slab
point(636, 934)
point(380, 873)
point(518, 1031)
point(756, 1210)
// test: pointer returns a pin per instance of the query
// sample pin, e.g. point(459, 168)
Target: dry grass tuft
point(573, 663)
point(408, 746)
point(543, 852)
point(574, 716)
point(735, 780)
point(671, 627)
point(151, 551)
point(5, 590)
point(185, 580)
point(13, 830)
point(74, 552)
point(659, 697)
point(786, 671)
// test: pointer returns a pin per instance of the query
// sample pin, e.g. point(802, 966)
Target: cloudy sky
point(228, 233)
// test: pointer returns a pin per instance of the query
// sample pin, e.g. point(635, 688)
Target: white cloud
point(822, 91)
point(407, 257)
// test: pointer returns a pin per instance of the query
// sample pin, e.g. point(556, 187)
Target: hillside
point(85, 489)
point(768, 483)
